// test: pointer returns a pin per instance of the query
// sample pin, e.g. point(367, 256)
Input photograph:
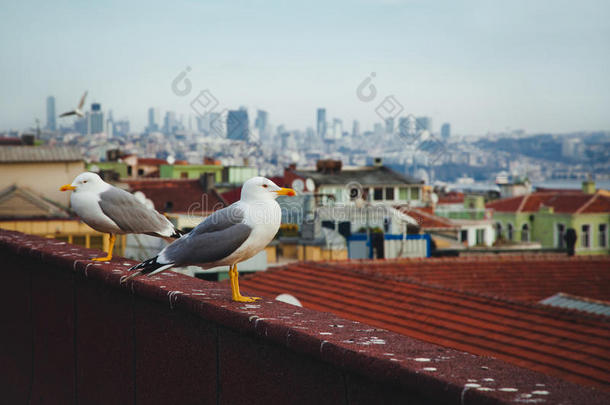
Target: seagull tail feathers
point(150, 267)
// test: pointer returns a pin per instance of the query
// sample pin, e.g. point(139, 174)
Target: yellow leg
point(236, 295)
point(110, 247)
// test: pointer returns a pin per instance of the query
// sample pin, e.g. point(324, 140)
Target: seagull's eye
point(264, 185)
point(84, 181)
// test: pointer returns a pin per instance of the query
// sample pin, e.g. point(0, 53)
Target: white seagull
point(78, 110)
point(227, 237)
point(111, 210)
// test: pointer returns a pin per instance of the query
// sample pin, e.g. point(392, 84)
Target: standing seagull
point(228, 236)
point(108, 209)
point(78, 111)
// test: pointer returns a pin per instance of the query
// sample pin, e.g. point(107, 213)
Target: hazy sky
point(480, 65)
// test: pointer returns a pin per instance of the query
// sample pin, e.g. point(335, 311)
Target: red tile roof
point(184, 195)
point(452, 197)
point(526, 278)
point(425, 219)
point(562, 202)
point(556, 342)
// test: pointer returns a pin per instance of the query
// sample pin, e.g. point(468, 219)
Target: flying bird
point(227, 237)
point(111, 210)
point(78, 111)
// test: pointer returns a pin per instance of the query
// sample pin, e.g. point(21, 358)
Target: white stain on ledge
point(422, 359)
point(508, 389)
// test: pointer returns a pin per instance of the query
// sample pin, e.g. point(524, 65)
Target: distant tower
point(152, 121)
point(96, 119)
point(321, 123)
point(51, 124)
point(356, 129)
point(389, 125)
point(446, 131)
point(261, 123)
point(237, 125)
point(423, 124)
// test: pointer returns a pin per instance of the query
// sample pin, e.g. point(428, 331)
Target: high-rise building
point(261, 123)
point(152, 121)
point(389, 125)
point(321, 122)
point(337, 128)
point(51, 123)
point(96, 119)
point(170, 123)
point(356, 129)
point(423, 124)
point(237, 125)
point(446, 131)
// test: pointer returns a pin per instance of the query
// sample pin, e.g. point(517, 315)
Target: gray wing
point(68, 113)
point(82, 100)
point(215, 238)
point(131, 215)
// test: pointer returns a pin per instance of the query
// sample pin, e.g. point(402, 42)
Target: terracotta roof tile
point(556, 342)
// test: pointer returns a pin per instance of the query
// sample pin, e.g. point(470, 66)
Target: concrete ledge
point(74, 334)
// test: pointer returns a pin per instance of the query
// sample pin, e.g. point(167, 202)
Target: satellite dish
point(311, 186)
point(298, 185)
point(171, 160)
point(289, 299)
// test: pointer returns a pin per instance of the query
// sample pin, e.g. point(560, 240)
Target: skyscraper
point(237, 125)
point(261, 123)
point(96, 119)
point(321, 122)
point(423, 124)
point(446, 131)
point(389, 125)
point(152, 121)
point(51, 123)
point(356, 129)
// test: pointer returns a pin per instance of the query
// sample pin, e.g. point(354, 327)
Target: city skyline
point(480, 66)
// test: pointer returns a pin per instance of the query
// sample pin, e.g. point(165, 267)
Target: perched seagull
point(111, 210)
point(78, 110)
point(227, 237)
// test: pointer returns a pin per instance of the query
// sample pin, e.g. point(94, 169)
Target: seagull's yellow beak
point(67, 187)
point(286, 191)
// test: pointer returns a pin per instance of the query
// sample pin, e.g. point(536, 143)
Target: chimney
point(329, 166)
point(207, 181)
point(588, 186)
point(292, 167)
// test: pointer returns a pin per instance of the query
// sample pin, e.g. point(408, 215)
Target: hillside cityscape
point(416, 146)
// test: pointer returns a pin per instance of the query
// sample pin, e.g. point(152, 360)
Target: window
point(498, 230)
point(140, 172)
point(603, 235)
point(96, 242)
point(403, 193)
point(80, 240)
point(585, 236)
point(561, 234)
point(480, 236)
point(509, 232)
point(129, 170)
point(464, 236)
point(389, 193)
point(378, 194)
point(415, 193)
point(525, 233)
point(184, 175)
point(354, 193)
